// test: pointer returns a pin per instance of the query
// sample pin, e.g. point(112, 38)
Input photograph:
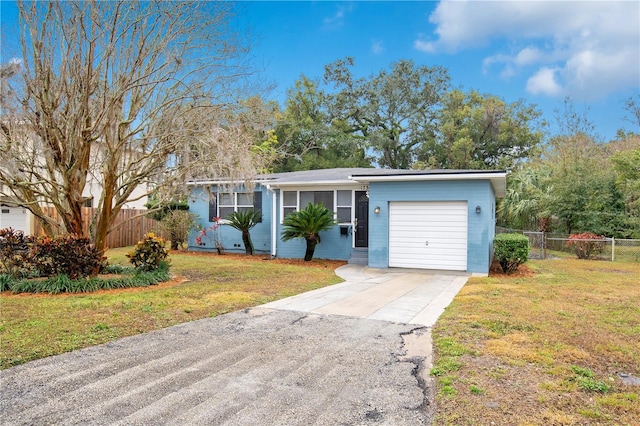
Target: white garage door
point(428, 235)
point(13, 217)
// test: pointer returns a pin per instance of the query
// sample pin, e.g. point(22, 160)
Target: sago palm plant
point(307, 224)
point(243, 221)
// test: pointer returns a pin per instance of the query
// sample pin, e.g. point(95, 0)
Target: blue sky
point(540, 51)
point(535, 50)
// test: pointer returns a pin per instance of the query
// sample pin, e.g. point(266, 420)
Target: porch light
point(478, 209)
point(376, 210)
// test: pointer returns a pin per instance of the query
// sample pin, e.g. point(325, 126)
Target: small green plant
point(593, 385)
point(308, 224)
point(586, 245)
point(511, 251)
point(445, 365)
point(475, 390)
point(586, 380)
point(243, 221)
point(582, 371)
point(149, 253)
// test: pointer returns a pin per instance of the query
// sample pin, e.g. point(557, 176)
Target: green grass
point(34, 326)
point(543, 349)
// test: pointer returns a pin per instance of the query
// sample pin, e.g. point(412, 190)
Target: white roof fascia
point(497, 179)
point(224, 182)
point(313, 183)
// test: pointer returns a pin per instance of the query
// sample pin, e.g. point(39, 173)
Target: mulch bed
point(317, 263)
point(523, 271)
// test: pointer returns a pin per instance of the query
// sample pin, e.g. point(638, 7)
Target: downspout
point(274, 223)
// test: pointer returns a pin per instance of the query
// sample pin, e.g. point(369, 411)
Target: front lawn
point(36, 326)
point(550, 348)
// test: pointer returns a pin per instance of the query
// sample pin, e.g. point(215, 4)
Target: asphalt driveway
point(324, 365)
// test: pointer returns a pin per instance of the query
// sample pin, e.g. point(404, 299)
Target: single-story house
point(426, 219)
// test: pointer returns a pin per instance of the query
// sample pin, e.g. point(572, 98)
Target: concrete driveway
point(408, 296)
point(334, 356)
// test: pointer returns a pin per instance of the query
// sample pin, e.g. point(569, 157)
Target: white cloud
point(377, 47)
point(337, 19)
point(425, 46)
point(544, 82)
point(585, 49)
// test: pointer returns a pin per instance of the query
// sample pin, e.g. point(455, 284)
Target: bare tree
point(129, 95)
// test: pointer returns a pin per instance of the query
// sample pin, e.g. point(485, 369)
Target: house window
point(88, 203)
point(324, 198)
point(222, 204)
point(289, 202)
point(339, 202)
point(343, 206)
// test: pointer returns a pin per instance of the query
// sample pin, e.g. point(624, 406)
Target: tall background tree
point(578, 183)
point(308, 140)
point(402, 117)
point(394, 111)
point(102, 88)
point(478, 131)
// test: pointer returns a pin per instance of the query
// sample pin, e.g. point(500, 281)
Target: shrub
point(511, 251)
point(5, 282)
point(70, 255)
point(16, 252)
point(64, 284)
point(176, 224)
point(586, 245)
point(148, 253)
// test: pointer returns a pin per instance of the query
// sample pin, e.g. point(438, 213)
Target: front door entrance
point(362, 219)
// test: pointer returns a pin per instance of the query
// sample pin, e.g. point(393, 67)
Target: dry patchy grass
point(542, 348)
point(206, 285)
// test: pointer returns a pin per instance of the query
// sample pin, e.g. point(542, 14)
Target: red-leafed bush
point(586, 245)
point(16, 252)
point(69, 255)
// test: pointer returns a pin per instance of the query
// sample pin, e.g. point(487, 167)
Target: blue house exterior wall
point(332, 246)
point(480, 226)
point(231, 238)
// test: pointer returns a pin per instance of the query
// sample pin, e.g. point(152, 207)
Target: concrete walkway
point(406, 296)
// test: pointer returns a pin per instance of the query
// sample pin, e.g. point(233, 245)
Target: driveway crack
point(417, 349)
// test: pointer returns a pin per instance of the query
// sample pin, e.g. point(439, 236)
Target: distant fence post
point(544, 245)
point(613, 249)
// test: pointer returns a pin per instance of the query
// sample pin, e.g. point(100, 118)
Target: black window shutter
point(213, 206)
point(257, 202)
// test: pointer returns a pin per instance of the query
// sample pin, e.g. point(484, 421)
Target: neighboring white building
point(20, 218)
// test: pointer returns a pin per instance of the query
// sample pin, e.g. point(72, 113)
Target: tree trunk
point(311, 247)
point(248, 245)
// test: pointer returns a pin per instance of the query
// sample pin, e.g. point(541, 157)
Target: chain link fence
point(546, 245)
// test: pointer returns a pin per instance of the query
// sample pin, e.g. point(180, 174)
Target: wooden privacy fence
point(129, 227)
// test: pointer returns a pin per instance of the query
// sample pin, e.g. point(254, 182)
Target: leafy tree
point(627, 166)
point(307, 224)
point(393, 111)
point(478, 131)
point(243, 221)
point(128, 95)
point(523, 206)
point(584, 197)
point(306, 138)
point(159, 211)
